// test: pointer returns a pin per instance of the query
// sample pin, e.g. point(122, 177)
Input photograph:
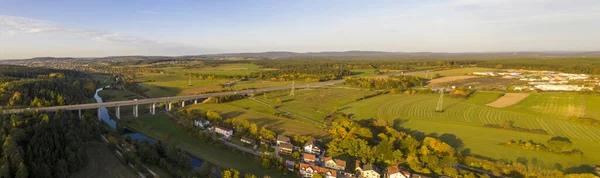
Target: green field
point(417, 112)
point(158, 125)
point(452, 72)
point(262, 116)
point(223, 69)
point(315, 103)
point(558, 104)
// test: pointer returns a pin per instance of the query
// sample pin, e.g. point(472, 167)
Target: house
point(308, 158)
point(312, 147)
point(285, 148)
point(282, 139)
point(307, 171)
point(334, 163)
point(344, 174)
point(224, 131)
point(367, 171)
point(289, 165)
point(264, 142)
point(201, 123)
point(247, 140)
point(397, 172)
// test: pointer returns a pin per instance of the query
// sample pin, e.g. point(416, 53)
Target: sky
point(75, 28)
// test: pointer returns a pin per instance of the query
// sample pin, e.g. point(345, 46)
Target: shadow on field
point(448, 138)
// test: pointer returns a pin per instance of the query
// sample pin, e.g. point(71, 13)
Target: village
point(305, 160)
point(546, 80)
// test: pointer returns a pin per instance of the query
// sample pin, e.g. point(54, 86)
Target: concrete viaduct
point(154, 101)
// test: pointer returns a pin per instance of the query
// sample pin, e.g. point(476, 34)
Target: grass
point(314, 103)
point(158, 125)
point(453, 72)
point(471, 113)
point(102, 162)
point(223, 69)
point(262, 115)
point(555, 104)
point(363, 72)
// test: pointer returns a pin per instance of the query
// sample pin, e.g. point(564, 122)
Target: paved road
point(166, 99)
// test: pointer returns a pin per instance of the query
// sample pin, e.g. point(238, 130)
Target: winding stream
point(104, 116)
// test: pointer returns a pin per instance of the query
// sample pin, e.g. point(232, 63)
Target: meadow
point(463, 117)
point(451, 72)
point(263, 116)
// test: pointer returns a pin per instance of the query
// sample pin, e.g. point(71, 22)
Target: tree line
point(393, 82)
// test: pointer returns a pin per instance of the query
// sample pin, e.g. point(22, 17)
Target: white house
point(307, 171)
point(367, 171)
point(334, 163)
point(396, 172)
point(282, 139)
point(312, 148)
point(224, 131)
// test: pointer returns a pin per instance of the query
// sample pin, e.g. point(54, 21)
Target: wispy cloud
point(148, 12)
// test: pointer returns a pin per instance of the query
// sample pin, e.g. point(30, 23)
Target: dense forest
point(45, 145)
point(570, 65)
point(29, 86)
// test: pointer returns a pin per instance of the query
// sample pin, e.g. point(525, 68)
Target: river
point(104, 116)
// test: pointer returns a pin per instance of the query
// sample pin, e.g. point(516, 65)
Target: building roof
point(369, 167)
point(247, 139)
point(320, 170)
point(289, 164)
point(223, 128)
point(340, 162)
point(308, 156)
point(283, 138)
point(286, 145)
point(393, 170)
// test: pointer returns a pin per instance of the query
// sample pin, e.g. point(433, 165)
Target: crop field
point(449, 79)
point(102, 162)
point(223, 69)
point(453, 72)
point(262, 115)
point(481, 82)
point(508, 100)
point(315, 103)
point(556, 104)
point(401, 110)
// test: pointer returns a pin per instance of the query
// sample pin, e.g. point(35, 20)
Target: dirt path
point(508, 99)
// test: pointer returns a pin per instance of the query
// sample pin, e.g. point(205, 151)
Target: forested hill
point(44, 145)
point(37, 87)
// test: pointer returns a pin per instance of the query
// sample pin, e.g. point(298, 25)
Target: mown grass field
point(158, 125)
point(223, 69)
point(453, 72)
point(315, 103)
point(412, 111)
point(262, 115)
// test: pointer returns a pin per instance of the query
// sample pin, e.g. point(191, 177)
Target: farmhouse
point(367, 171)
point(224, 131)
point(282, 139)
point(334, 163)
point(285, 148)
point(307, 170)
point(308, 158)
point(312, 147)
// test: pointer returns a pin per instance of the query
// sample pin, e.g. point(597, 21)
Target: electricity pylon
point(190, 80)
point(440, 104)
point(293, 88)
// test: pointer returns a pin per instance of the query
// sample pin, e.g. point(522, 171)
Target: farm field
point(223, 69)
point(449, 79)
point(508, 99)
point(262, 115)
point(453, 72)
point(485, 143)
point(399, 109)
point(158, 125)
point(556, 104)
point(487, 83)
point(315, 103)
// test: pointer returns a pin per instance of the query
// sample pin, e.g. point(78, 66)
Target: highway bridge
point(167, 100)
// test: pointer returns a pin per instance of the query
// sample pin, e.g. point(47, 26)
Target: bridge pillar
point(153, 108)
point(170, 106)
point(99, 114)
point(80, 114)
point(196, 101)
point(183, 103)
point(135, 111)
point(118, 112)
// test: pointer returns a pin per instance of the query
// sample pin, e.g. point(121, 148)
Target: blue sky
point(105, 28)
